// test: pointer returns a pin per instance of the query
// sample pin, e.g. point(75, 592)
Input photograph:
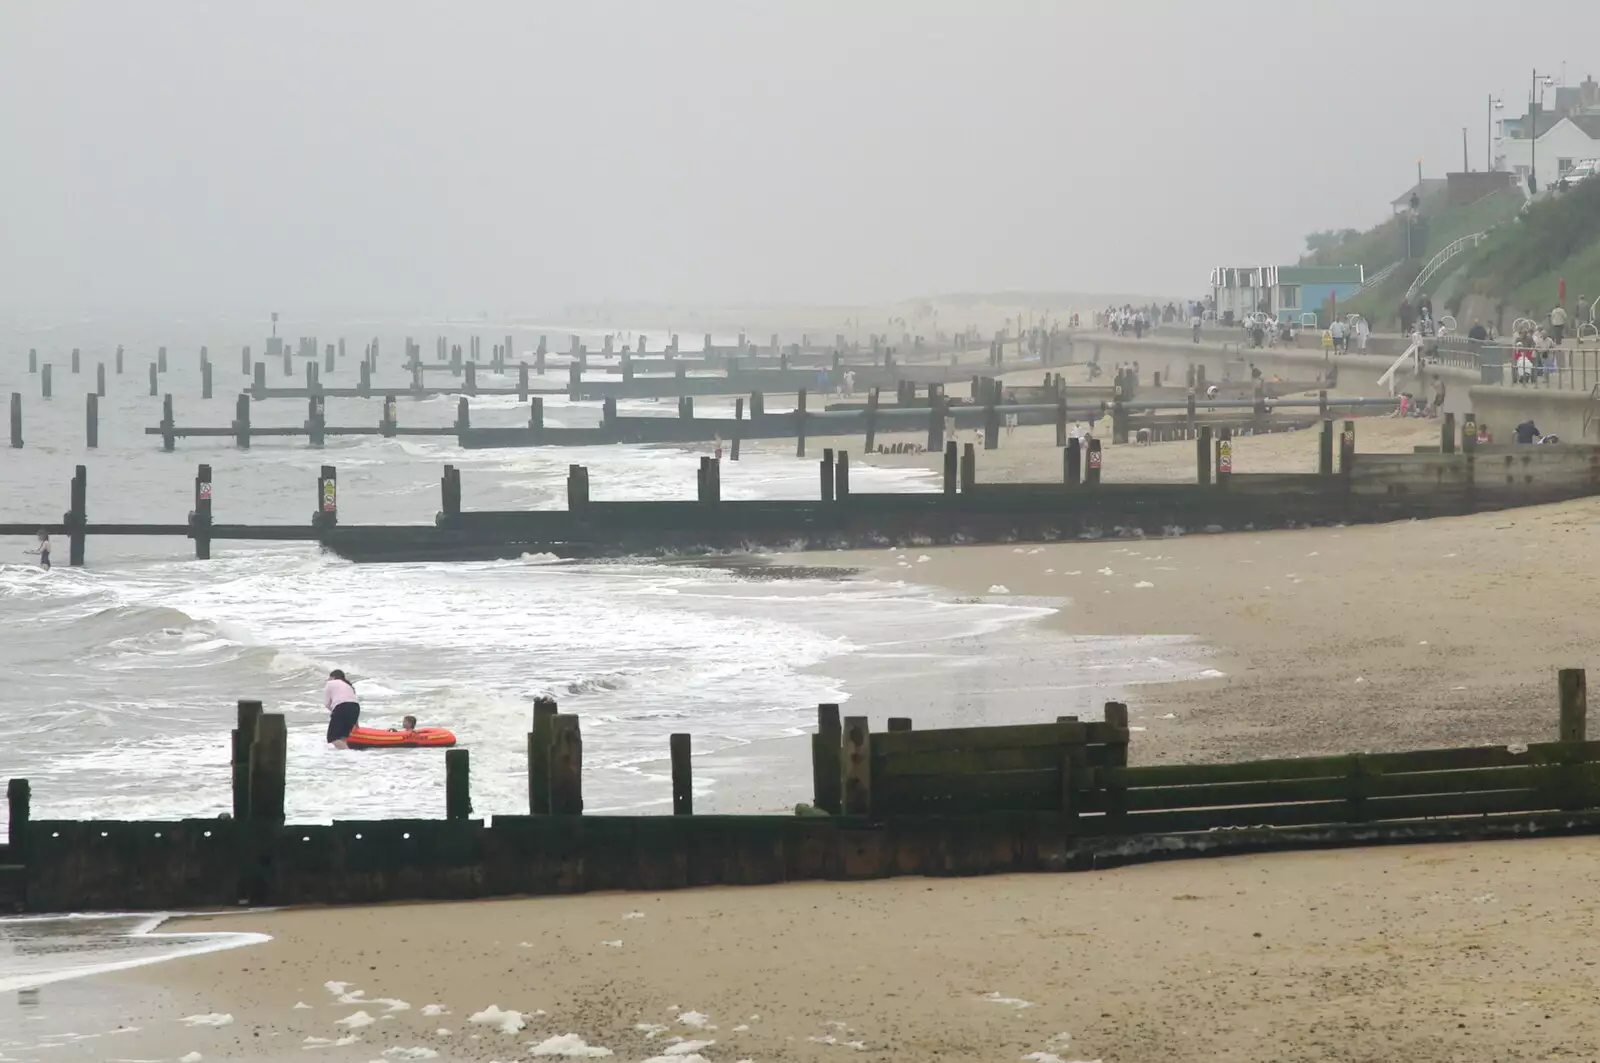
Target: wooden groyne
point(1051, 796)
point(1347, 488)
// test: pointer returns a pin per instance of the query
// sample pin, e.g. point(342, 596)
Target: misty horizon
point(518, 158)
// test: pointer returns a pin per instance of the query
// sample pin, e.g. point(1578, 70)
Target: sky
point(509, 156)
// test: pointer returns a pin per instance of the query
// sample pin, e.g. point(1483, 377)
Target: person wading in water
point(344, 712)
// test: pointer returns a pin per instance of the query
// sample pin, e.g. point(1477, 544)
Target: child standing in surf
point(43, 550)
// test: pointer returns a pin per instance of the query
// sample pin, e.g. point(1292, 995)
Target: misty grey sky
point(513, 155)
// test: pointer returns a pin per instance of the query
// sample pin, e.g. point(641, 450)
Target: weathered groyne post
point(244, 361)
point(536, 415)
point(463, 416)
point(327, 514)
point(317, 420)
point(825, 468)
point(119, 360)
point(19, 800)
point(577, 487)
point(450, 494)
point(1224, 457)
point(288, 364)
point(544, 714)
point(471, 385)
point(522, 383)
point(682, 778)
point(205, 379)
point(16, 420)
point(77, 518)
point(161, 359)
point(826, 763)
point(538, 356)
point(952, 466)
point(241, 421)
point(92, 420)
point(1202, 450)
point(1325, 450)
point(936, 415)
point(566, 766)
point(856, 767)
point(800, 424)
point(33, 360)
point(969, 467)
point(167, 424)
point(155, 383)
point(1469, 433)
point(457, 784)
point(1573, 686)
point(1347, 450)
point(327, 360)
point(872, 420)
point(841, 477)
point(200, 519)
point(1447, 434)
point(75, 361)
point(1072, 463)
point(268, 763)
point(100, 380)
point(364, 378)
point(1092, 473)
point(44, 381)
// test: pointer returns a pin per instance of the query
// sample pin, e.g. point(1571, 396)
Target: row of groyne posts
point(1082, 464)
point(1042, 796)
point(1151, 420)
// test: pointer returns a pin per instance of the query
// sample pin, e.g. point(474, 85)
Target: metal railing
point(1451, 250)
point(1376, 279)
point(1559, 369)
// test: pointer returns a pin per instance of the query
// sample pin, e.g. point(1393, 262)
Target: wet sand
point(1447, 953)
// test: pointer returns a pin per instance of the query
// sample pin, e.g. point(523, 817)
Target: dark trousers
point(342, 720)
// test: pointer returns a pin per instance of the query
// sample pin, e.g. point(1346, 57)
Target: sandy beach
point(1447, 953)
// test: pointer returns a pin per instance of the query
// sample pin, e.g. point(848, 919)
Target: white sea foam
point(504, 1021)
point(570, 1046)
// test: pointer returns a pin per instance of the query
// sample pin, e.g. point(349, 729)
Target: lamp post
point(1488, 133)
point(1535, 89)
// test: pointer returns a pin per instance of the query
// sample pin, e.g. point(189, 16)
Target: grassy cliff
point(1516, 272)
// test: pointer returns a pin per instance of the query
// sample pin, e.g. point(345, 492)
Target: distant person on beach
point(1558, 322)
point(344, 711)
point(1527, 431)
point(1478, 332)
point(43, 549)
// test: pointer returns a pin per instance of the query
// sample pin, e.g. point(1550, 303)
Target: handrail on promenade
point(1450, 250)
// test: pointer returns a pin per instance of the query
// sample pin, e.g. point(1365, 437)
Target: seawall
point(1574, 416)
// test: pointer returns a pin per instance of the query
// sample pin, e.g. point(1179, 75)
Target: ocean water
point(122, 676)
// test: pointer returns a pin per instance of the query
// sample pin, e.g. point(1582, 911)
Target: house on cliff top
point(1283, 292)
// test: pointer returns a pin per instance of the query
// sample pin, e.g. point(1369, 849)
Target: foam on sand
point(504, 1021)
point(571, 1046)
point(355, 1021)
point(213, 1019)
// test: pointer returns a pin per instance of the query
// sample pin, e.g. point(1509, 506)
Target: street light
point(1495, 103)
point(1537, 87)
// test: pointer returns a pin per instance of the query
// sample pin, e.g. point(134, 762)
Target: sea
point(122, 677)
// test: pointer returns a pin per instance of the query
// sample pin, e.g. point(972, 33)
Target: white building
point(1560, 148)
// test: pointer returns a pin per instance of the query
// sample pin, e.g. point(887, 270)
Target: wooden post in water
point(566, 766)
point(1574, 688)
point(991, 425)
point(800, 424)
point(1061, 422)
point(1347, 449)
point(268, 762)
point(44, 381)
point(522, 382)
point(825, 763)
point(1072, 463)
point(682, 779)
point(327, 514)
point(75, 361)
point(33, 360)
point(825, 468)
point(200, 519)
point(471, 386)
point(855, 758)
point(952, 466)
point(244, 735)
point(1202, 451)
point(1325, 450)
point(288, 364)
point(738, 428)
point(969, 467)
point(872, 420)
point(100, 380)
point(244, 361)
point(161, 359)
point(544, 714)
point(19, 800)
point(1091, 475)
point(327, 367)
point(457, 777)
point(317, 420)
point(1224, 457)
point(77, 518)
point(536, 414)
point(841, 476)
point(155, 388)
point(16, 420)
point(463, 416)
point(577, 487)
point(241, 421)
point(92, 420)
point(167, 424)
point(936, 405)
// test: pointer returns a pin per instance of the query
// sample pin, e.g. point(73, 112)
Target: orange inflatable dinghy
point(421, 738)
